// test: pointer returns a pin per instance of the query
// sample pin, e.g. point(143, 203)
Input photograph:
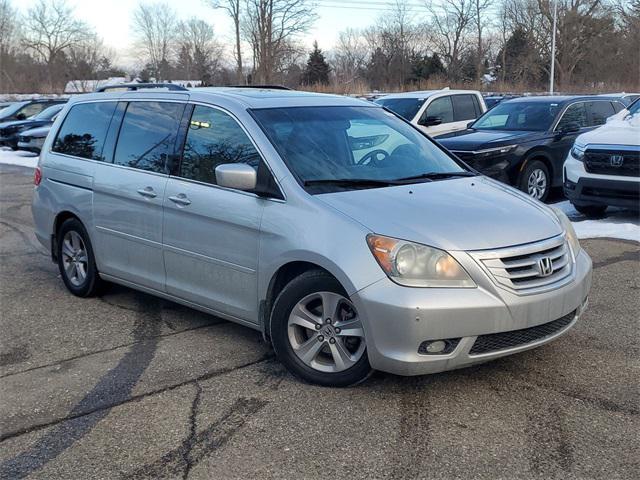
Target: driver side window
point(440, 107)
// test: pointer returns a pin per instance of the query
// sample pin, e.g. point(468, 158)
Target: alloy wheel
point(537, 183)
point(325, 332)
point(75, 259)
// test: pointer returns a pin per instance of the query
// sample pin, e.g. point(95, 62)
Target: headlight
point(489, 152)
point(572, 238)
point(415, 265)
point(577, 152)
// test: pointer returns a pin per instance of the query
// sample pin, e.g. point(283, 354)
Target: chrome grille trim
point(516, 268)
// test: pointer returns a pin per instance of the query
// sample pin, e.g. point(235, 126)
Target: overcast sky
point(112, 20)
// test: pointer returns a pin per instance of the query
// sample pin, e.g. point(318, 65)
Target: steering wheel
point(374, 157)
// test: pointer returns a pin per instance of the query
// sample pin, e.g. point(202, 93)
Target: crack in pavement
point(134, 398)
point(193, 425)
point(174, 463)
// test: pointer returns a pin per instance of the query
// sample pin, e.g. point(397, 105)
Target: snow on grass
point(616, 223)
point(24, 159)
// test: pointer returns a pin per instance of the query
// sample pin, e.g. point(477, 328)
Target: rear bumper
point(399, 319)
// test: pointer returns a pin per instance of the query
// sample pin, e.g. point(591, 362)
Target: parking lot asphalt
point(129, 386)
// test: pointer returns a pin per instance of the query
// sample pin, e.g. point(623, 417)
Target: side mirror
point(571, 127)
point(430, 121)
point(236, 175)
point(470, 123)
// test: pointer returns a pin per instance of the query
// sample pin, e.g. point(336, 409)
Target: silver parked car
point(343, 233)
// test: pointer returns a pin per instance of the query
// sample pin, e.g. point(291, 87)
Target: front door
point(128, 193)
point(211, 233)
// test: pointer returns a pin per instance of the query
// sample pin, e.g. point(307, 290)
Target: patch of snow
point(616, 223)
point(24, 159)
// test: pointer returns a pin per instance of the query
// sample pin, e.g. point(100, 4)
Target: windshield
point(48, 113)
point(11, 109)
point(353, 144)
point(405, 107)
point(634, 108)
point(533, 116)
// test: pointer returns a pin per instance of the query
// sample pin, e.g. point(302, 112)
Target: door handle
point(147, 192)
point(180, 199)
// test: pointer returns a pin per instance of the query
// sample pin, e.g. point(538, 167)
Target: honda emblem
point(616, 160)
point(545, 266)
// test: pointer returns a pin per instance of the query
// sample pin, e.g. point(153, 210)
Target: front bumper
point(584, 189)
point(31, 144)
point(398, 319)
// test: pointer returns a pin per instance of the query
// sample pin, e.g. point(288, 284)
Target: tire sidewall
point(291, 294)
point(90, 285)
point(524, 180)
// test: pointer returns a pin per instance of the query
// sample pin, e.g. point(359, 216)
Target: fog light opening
point(438, 347)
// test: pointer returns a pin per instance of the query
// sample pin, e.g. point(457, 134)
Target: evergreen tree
point(317, 69)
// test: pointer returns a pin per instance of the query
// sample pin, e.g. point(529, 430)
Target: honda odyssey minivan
point(339, 230)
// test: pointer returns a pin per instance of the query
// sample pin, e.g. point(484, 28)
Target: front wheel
point(317, 333)
point(535, 180)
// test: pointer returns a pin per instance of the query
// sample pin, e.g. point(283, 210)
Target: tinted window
point(440, 107)
point(476, 105)
point(600, 111)
point(576, 113)
point(463, 107)
point(49, 113)
point(405, 107)
point(84, 129)
point(148, 135)
point(214, 138)
point(518, 115)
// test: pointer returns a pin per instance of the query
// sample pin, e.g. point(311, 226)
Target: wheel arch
point(59, 219)
point(542, 156)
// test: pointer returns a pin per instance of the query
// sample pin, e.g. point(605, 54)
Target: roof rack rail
point(271, 87)
point(137, 86)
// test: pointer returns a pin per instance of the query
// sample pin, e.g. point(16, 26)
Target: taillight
point(37, 176)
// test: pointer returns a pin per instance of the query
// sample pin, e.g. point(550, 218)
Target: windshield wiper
point(436, 176)
point(349, 182)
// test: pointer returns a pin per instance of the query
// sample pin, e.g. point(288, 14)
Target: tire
point(75, 257)
point(532, 178)
point(307, 344)
point(591, 210)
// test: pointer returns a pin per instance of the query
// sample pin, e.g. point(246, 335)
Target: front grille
point(529, 268)
point(516, 338)
point(602, 163)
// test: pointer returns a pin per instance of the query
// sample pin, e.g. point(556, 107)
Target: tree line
point(501, 45)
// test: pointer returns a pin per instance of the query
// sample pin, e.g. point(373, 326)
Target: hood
point(472, 213)
point(614, 132)
point(469, 140)
point(36, 132)
point(18, 124)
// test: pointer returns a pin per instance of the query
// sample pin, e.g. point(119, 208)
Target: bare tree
point(271, 27)
point(450, 23)
point(154, 26)
point(49, 30)
point(200, 52)
point(350, 56)
point(8, 30)
point(480, 20)
point(234, 10)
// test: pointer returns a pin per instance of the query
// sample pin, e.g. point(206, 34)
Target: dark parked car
point(26, 109)
point(10, 131)
point(492, 100)
point(524, 141)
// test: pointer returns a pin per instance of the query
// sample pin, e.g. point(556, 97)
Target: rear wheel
point(317, 333)
point(535, 180)
point(591, 210)
point(76, 261)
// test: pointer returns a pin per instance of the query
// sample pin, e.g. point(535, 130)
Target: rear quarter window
point(84, 130)
point(463, 108)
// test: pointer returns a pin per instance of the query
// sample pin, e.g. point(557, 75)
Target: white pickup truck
point(603, 167)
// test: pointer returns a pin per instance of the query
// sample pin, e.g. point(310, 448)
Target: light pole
point(553, 46)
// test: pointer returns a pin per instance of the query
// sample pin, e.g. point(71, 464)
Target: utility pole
point(553, 46)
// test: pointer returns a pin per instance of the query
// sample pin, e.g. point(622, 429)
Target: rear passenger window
point(84, 129)
point(440, 107)
point(148, 135)
point(576, 113)
point(463, 108)
point(214, 138)
point(600, 111)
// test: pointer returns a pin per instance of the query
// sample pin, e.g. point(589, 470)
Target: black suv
point(26, 109)
point(10, 131)
point(524, 141)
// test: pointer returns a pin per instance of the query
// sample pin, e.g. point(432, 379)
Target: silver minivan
point(348, 237)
